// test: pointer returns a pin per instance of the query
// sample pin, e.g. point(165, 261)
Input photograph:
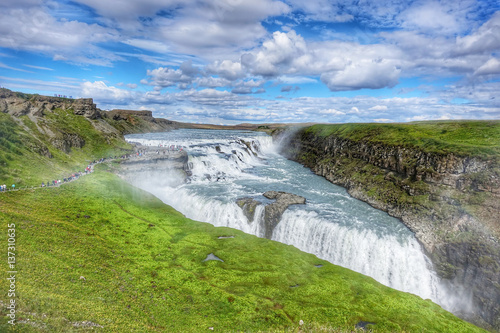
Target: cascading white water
point(387, 259)
point(227, 165)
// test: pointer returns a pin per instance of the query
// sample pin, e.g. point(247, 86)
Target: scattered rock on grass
point(363, 324)
point(211, 256)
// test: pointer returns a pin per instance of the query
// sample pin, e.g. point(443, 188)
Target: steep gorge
point(449, 200)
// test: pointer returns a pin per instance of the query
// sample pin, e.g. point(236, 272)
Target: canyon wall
point(451, 202)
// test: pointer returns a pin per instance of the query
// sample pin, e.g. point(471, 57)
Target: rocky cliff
point(130, 121)
point(450, 200)
point(19, 104)
point(37, 106)
point(272, 211)
point(44, 112)
point(35, 129)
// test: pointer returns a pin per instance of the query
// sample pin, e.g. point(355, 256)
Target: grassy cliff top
point(463, 138)
point(33, 150)
point(100, 252)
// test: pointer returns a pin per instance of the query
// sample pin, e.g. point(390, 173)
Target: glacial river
point(227, 165)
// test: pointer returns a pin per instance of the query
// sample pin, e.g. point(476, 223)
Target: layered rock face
point(39, 109)
point(274, 211)
point(12, 103)
point(451, 203)
point(130, 121)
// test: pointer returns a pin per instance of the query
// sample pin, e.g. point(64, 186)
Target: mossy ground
point(143, 270)
point(462, 138)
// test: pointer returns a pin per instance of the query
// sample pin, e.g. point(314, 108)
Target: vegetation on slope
point(480, 139)
point(442, 179)
point(100, 252)
point(34, 152)
point(462, 138)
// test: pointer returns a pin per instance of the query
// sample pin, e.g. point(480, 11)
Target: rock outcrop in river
point(450, 202)
point(272, 211)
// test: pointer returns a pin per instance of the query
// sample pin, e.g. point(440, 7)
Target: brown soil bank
point(442, 179)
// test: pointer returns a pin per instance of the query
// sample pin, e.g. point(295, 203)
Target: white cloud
point(342, 65)
point(430, 16)
point(149, 45)
point(212, 82)
point(65, 40)
point(491, 67)
point(67, 87)
point(2, 65)
point(297, 79)
point(228, 69)
point(363, 74)
point(277, 55)
point(378, 108)
point(485, 40)
point(332, 112)
point(101, 93)
point(163, 77)
point(242, 90)
point(39, 67)
point(321, 10)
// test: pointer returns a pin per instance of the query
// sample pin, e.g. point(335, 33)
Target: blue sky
point(235, 61)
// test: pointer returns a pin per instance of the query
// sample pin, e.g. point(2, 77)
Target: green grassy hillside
point(35, 150)
point(100, 252)
point(463, 138)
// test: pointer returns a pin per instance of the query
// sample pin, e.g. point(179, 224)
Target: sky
point(260, 61)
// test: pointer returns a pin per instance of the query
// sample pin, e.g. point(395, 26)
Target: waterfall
point(227, 165)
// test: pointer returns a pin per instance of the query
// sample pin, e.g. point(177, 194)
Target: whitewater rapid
point(227, 165)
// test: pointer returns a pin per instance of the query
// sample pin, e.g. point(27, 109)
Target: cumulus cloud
point(103, 93)
point(234, 51)
point(340, 65)
point(227, 69)
point(224, 27)
point(363, 74)
point(212, 82)
point(276, 55)
point(167, 77)
point(430, 16)
point(163, 77)
point(230, 107)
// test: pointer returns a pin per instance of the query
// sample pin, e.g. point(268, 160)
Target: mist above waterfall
point(225, 166)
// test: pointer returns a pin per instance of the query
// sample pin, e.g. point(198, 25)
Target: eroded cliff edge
point(446, 190)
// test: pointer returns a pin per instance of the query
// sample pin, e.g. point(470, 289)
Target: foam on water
point(227, 165)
